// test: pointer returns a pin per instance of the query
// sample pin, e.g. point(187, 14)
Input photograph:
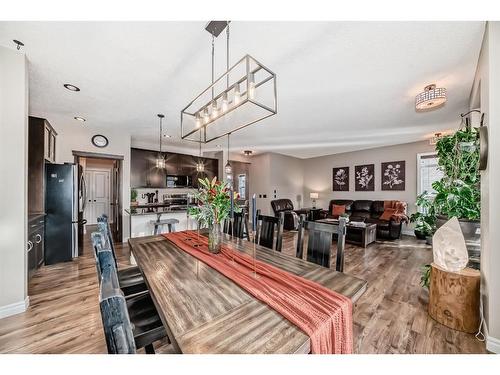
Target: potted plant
point(214, 205)
point(133, 197)
point(458, 192)
point(425, 218)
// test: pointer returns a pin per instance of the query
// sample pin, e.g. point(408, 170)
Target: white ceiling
point(342, 86)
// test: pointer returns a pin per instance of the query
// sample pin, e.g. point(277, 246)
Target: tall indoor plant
point(425, 218)
point(458, 192)
point(214, 205)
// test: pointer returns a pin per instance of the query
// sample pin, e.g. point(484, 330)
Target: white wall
point(13, 186)
point(287, 179)
point(486, 94)
point(73, 136)
point(318, 173)
point(260, 181)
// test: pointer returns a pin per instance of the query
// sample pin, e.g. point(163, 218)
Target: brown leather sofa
point(291, 216)
point(368, 211)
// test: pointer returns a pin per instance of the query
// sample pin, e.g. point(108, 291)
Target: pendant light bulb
point(160, 160)
point(215, 110)
point(198, 120)
point(228, 168)
point(225, 103)
point(206, 116)
point(237, 94)
point(251, 86)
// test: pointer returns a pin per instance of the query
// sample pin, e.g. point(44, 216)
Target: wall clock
point(100, 141)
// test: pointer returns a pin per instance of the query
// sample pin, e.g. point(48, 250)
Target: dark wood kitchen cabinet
point(143, 171)
point(41, 150)
point(139, 168)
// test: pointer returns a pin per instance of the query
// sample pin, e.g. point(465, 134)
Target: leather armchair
point(291, 218)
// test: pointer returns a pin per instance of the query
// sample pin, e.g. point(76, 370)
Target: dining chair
point(240, 225)
point(266, 227)
point(319, 242)
point(130, 278)
point(129, 324)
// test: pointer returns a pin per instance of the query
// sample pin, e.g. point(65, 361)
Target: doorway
point(101, 192)
point(99, 187)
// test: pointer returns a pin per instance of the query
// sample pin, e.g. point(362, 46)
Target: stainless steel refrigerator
point(63, 212)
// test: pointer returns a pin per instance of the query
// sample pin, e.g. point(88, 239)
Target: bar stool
point(158, 225)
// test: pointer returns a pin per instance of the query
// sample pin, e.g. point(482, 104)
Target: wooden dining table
point(205, 312)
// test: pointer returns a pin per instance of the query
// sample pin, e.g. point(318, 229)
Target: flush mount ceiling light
point(71, 87)
point(431, 97)
point(436, 137)
point(78, 118)
point(18, 43)
point(160, 160)
point(241, 96)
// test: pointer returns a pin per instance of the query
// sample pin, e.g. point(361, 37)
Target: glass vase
point(214, 238)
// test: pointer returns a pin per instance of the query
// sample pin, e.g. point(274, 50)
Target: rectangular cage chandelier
point(242, 96)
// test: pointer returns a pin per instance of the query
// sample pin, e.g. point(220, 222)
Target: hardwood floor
point(391, 317)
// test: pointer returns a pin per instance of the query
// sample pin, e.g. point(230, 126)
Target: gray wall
point(486, 96)
point(318, 173)
point(13, 187)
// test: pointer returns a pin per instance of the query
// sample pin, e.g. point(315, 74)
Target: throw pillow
point(388, 212)
point(338, 210)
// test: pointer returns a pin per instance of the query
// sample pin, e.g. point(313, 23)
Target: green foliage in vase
point(425, 219)
point(458, 192)
point(133, 195)
point(214, 202)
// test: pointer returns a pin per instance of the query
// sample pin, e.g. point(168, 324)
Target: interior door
point(98, 195)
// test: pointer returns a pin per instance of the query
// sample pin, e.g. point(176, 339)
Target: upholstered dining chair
point(319, 242)
point(130, 278)
point(240, 225)
point(128, 323)
point(267, 226)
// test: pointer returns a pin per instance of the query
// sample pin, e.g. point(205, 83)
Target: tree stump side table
point(454, 298)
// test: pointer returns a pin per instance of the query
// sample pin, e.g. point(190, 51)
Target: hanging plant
point(458, 192)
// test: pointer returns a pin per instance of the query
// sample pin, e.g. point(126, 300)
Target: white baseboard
point(493, 344)
point(14, 308)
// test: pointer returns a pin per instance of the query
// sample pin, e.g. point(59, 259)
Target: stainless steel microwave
point(176, 181)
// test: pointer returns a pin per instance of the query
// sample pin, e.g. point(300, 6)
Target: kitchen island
point(142, 218)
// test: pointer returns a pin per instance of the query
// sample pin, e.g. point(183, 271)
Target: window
point(242, 180)
point(428, 171)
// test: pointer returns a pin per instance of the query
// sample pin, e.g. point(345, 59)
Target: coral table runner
point(324, 315)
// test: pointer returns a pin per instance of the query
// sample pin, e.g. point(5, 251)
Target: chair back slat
point(266, 227)
point(103, 227)
point(118, 329)
point(240, 225)
point(300, 237)
point(319, 243)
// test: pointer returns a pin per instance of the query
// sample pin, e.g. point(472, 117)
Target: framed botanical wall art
point(341, 179)
point(364, 177)
point(393, 175)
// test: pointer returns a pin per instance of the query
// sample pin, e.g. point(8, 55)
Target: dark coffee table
point(356, 235)
point(312, 213)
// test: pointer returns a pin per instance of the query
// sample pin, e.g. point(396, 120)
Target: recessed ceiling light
point(167, 136)
point(71, 87)
point(78, 118)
